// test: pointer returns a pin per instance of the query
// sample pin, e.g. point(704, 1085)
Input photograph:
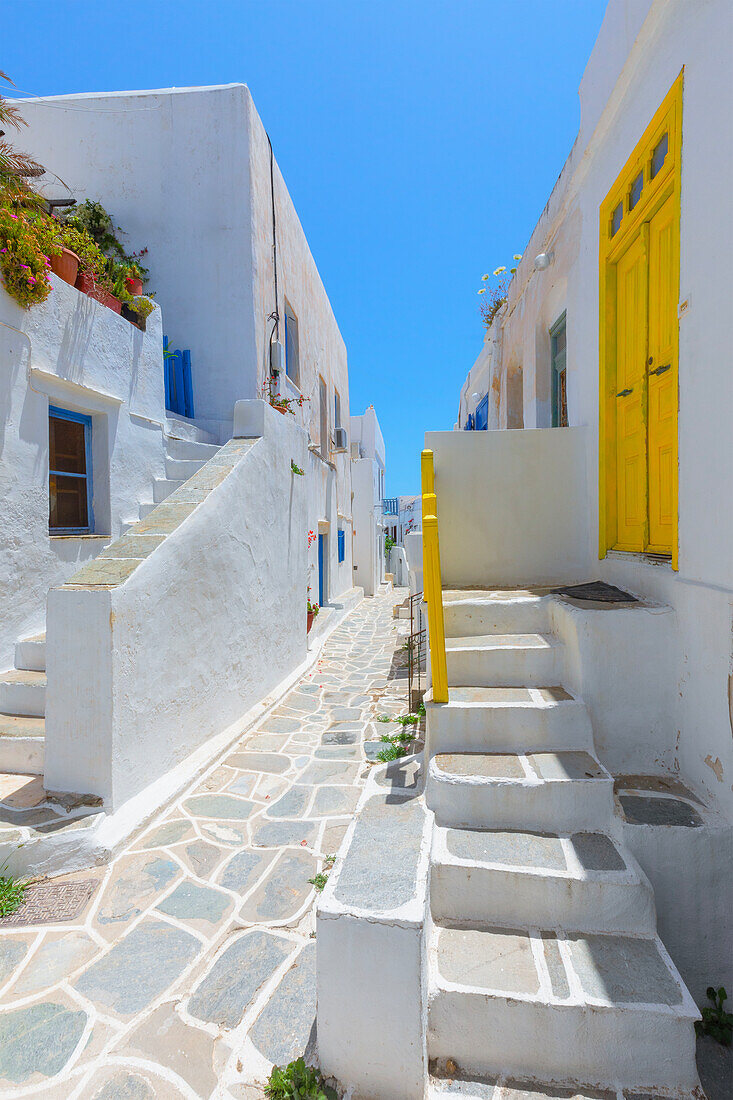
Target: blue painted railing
point(177, 378)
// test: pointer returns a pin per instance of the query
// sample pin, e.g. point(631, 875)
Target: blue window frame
point(69, 472)
point(292, 345)
point(559, 374)
point(342, 544)
point(481, 422)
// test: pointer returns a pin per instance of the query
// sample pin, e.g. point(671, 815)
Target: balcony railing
point(390, 506)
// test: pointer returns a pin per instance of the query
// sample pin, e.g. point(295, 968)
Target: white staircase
point(544, 964)
point(23, 708)
point(183, 458)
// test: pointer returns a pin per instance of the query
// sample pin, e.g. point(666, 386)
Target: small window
point(635, 190)
point(336, 409)
point(659, 155)
point(69, 472)
point(616, 218)
point(342, 544)
point(559, 374)
point(292, 346)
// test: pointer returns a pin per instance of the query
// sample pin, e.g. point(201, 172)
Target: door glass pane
point(68, 501)
point(67, 449)
point(616, 219)
point(636, 189)
point(659, 155)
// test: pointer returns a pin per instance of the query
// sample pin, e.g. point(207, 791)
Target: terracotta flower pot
point(110, 301)
point(311, 616)
point(66, 265)
point(86, 284)
point(134, 285)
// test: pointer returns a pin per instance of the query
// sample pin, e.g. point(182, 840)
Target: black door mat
point(597, 592)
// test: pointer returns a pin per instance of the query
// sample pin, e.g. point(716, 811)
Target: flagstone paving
point(192, 968)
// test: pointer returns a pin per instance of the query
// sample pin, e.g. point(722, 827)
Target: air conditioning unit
point(340, 442)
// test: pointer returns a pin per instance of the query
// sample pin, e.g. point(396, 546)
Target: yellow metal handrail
point(432, 586)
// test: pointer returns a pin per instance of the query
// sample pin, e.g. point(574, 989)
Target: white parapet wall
point(512, 506)
point(167, 639)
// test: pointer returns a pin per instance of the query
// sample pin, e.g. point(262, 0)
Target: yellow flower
point(484, 277)
point(517, 256)
point(500, 270)
point(482, 291)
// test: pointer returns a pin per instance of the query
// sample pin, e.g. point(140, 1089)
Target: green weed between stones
point(319, 881)
point(298, 1082)
point(716, 1022)
point(12, 893)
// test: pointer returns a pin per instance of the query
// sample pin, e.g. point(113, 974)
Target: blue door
point(321, 568)
point(482, 415)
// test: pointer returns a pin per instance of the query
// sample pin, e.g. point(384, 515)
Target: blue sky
point(419, 142)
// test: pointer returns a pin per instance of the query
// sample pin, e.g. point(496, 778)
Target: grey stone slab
point(163, 1038)
point(132, 546)
point(524, 1090)
point(243, 785)
point(228, 833)
point(284, 889)
point(202, 857)
point(555, 966)
point(134, 884)
point(367, 879)
point(292, 804)
point(190, 901)
point(266, 742)
point(281, 725)
point(336, 737)
point(346, 727)
point(715, 1066)
point(227, 991)
point(243, 870)
point(333, 836)
point(223, 807)
point(565, 765)
point(336, 771)
point(597, 852)
point(260, 762)
point(124, 1085)
point(623, 969)
point(338, 752)
point(55, 959)
point(278, 834)
point(643, 810)
point(104, 571)
point(335, 801)
point(458, 1085)
point(38, 1039)
point(497, 960)
point(11, 954)
point(170, 832)
point(488, 765)
point(372, 749)
point(512, 849)
point(401, 775)
point(286, 1025)
point(139, 967)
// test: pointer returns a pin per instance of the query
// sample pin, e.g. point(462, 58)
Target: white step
point(476, 719)
point(23, 693)
point(181, 427)
point(163, 487)
point(504, 660)
point(30, 653)
point(146, 509)
point(476, 612)
point(188, 448)
point(22, 743)
point(582, 881)
point(536, 793)
point(474, 1087)
point(604, 1009)
point(181, 469)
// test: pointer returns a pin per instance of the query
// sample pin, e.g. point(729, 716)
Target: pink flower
point(25, 267)
point(14, 216)
point(31, 281)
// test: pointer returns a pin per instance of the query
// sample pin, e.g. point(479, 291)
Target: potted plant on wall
point(313, 610)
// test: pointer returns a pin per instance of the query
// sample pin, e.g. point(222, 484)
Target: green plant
point(388, 544)
point(716, 1022)
point(496, 294)
point(403, 719)
point(12, 892)
point(394, 752)
point(298, 1081)
point(319, 881)
point(296, 468)
point(313, 608)
point(15, 167)
point(402, 738)
point(330, 859)
point(143, 306)
point(24, 255)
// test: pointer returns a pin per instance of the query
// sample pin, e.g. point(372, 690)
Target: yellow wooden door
point(662, 378)
point(631, 433)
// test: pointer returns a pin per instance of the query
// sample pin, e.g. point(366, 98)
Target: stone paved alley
point(192, 967)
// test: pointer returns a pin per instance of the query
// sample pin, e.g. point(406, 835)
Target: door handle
point(661, 370)
point(625, 393)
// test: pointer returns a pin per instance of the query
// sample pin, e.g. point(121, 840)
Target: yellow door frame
point(616, 234)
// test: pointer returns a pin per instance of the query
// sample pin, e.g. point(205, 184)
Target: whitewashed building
point(368, 461)
point(178, 591)
point(569, 895)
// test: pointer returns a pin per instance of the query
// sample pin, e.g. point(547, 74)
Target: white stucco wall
point(641, 49)
point(367, 483)
point(77, 354)
point(143, 673)
point(171, 167)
